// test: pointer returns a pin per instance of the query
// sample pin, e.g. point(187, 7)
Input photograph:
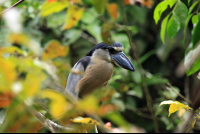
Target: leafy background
point(41, 40)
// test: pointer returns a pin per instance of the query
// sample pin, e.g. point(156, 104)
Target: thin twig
point(179, 94)
point(186, 88)
point(146, 90)
point(12, 6)
point(140, 113)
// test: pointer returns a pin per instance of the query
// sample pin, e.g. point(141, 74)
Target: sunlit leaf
point(7, 73)
point(54, 49)
point(11, 50)
point(113, 10)
point(22, 39)
point(58, 104)
point(117, 118)
point(74, 14)
point(99, 5)
point(33, 83)
point(85, 121)
point(174, 106)
point(161, 7)
point(91, 108)
point(195, 19)
point(53, 6)
point(167, 102)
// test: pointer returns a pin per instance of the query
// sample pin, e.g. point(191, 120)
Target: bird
point(96, 68)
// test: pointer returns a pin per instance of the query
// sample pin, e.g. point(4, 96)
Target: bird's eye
point(112, 50)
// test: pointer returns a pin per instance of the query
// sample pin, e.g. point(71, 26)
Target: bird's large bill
point(122, 60)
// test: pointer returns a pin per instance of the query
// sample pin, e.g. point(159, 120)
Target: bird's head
point(117, 56)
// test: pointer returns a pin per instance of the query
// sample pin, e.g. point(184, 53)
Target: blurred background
point(41, 40)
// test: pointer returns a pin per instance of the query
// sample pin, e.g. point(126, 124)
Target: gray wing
point(76, 75)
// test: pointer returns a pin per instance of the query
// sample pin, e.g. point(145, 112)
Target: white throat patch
point(119, 49)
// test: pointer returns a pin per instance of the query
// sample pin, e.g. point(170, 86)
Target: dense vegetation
point(41, 40)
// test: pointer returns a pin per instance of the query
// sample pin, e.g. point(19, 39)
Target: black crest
point(103, 45)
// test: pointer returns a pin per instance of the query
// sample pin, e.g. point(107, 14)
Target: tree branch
point(12, 6)
point(188, 101)
point(146, 90)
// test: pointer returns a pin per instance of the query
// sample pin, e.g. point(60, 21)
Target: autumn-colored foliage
point(41, 40)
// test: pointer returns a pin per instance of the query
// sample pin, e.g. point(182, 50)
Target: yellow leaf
point(58, 103)
point(113, 10)
point(54, 49)
point(23, 39)
point(7, 73)
point(20, 39)
point(85, 121)
point(74, 14)
point(53, 7)
point(10, 49)
point(32, 83)
point(176, 106)
point(88, 104)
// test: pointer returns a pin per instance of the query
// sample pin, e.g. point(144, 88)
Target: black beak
point(120, 59)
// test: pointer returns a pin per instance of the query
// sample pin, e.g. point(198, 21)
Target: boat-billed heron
point(96, 68)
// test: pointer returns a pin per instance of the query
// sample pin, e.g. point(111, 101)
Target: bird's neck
point(101, 54)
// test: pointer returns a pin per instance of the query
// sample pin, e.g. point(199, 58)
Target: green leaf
point(194, 68)
point(53, 7)
point(117, 119)
point(196, 34)
point(154, 80)
point(195, 19)
point(192, 60)
point(189, 2)
point(147, 55)
point(99, 5)
point(71, 35)
point(192, 7)
point(160, 8)
point(136, 91)
point(163, 28)
point(185, 28)
point(171, 2)
point(182, 12)
point(173, 26)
